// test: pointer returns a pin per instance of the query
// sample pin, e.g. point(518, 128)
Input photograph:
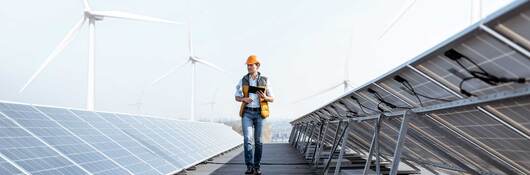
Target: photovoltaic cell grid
point(58, 137)
point(488, 138)
point(49, 140)
point(99, 141)
point(30, 153)
point(7, 168)
point(125, 141)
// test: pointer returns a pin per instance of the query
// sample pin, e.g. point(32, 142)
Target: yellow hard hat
point(252, 59)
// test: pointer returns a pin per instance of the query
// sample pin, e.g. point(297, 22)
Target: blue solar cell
point(99, 141)
point(144, 135)
point(120, 137)
point(189, 151)
point(192, 133)
point(8, 168)
point(203, 139)
point(29, 153)
point(58, 137)
point(46, 140)
point(186, 139)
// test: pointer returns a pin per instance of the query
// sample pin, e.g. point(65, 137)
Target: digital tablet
point(255, 89)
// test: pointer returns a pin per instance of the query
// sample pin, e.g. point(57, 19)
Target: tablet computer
point(255, 89)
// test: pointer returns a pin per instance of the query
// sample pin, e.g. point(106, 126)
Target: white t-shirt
point(253, 96)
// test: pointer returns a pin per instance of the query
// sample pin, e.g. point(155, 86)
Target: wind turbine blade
point(190, 44)
point(85, 3)
point(319, 93)
point(400, 15)
point(69, 36)
point(126, 15)
point(168, 73)
point(200, 60)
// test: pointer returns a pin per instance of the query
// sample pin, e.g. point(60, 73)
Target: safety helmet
point(252, 59)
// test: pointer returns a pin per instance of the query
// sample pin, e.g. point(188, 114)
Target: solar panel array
point(50, 140)
point(462, 106)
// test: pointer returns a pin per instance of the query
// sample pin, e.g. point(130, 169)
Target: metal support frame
point(374, 147)
point(307, 139)
point(487, 113)
point(343, 146)
point(324, 142)
point(316, 153)
point(295, 133)
point(300, 132)
point(311, 138)
point(481, 109)
point(304, 137)
point(400, 142)
point(336, 145)
point(334, 140)
point(489, 151)
point(437, 147)
point(300, 135)
point(293, 130)
point(506, 95)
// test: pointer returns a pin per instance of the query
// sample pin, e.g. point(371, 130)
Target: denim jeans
point(252, 119)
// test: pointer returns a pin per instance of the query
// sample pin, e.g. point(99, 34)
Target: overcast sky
point(303, 45)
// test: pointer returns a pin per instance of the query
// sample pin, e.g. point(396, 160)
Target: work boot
point(249, 170)
point(257, 171)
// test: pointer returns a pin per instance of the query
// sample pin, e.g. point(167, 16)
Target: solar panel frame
point(25, 156)
point(479, 126)
point(116, 134)
point(7, 166)
point(187, 157)
point(146, 137)
point(98, 140)
point(499, 44)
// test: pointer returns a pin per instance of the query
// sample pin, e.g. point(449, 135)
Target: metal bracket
point(374, 147)
point(342, 148)
point(400, 142)
point(316, 154)
point(336, 145)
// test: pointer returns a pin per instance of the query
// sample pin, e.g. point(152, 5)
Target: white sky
point(302, 44)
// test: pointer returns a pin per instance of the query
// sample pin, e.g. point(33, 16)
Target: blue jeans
point(252, 118)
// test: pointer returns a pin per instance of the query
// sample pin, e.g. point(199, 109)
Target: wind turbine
point(139, 102)
point(346, 83)
point(92, 16)
point(212, 104)
point(397, 18)
point(193, 60)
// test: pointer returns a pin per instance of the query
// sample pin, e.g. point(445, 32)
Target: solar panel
point(99, 141)
point(144, 135)
point(8, 168)
point(52, 140)
point(491, 133)
point(189, 136)
point(177, 146)
point(191, 139)
point(63, 140)
point(489, 53)
point(469, 98)
point(121, 138)
point(29, 152)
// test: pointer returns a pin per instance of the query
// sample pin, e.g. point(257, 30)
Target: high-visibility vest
point(264, 105)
